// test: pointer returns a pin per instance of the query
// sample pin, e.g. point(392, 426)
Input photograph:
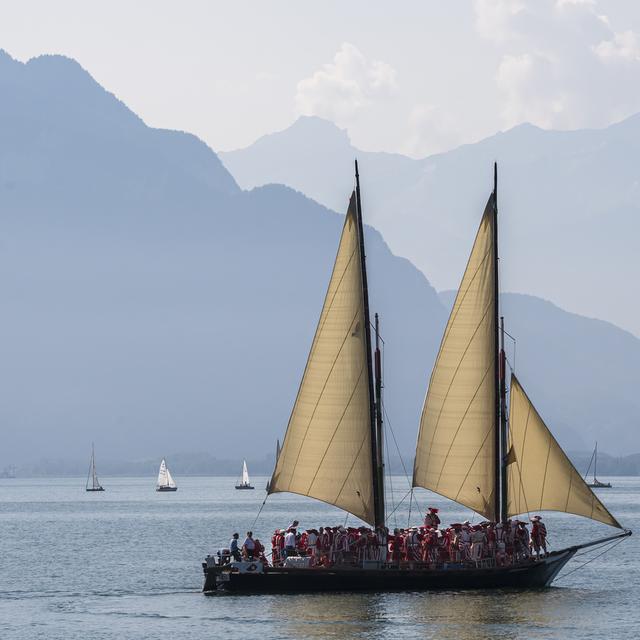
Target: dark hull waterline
point(244, 487)
point(533, 574)
point(166, 488)
point(98, 489)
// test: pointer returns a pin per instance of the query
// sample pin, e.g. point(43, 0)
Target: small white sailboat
point(165, 480)
point(92, 478)
point(244, 484)
point(596, 484)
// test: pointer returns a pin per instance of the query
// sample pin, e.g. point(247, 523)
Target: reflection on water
point(463, 615)
point(329, 615)
point(460, 615)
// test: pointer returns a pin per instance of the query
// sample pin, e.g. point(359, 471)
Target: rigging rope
point(401, 501)
point(406, 474)
point(389, 429)
point(612, 544)
point(259, 512)
point(389, 475)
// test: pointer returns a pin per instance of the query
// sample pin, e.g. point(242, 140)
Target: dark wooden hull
point(166, 488)
point(527, 575)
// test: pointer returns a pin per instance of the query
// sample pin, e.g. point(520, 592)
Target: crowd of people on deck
point(326, 546)
point(499, 544)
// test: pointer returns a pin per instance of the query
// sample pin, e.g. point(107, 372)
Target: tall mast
point(500, 377)
point(379, 468)
point(498, 506)
point(376, 445)
point(503, 423)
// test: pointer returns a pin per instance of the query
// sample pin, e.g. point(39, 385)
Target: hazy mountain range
point(569, 203)
point(153, 306)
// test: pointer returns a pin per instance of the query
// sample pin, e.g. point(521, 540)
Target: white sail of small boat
point(244, 483)
point(92, 478)
point(165, 480)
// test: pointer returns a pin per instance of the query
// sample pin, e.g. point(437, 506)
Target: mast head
point(495, 179)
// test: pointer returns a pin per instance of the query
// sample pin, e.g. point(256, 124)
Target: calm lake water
point(126, 564)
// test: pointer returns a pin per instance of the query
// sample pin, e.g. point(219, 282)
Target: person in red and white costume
point(431, 518)
point(538, 536)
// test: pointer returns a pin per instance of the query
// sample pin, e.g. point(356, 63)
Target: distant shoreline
point(204, 465)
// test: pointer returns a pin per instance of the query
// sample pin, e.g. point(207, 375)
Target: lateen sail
point(455, 453)
point(326, 453)
point(245, 473)
point(541, 476)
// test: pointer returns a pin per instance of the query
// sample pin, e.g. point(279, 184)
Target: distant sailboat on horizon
point(596, 484)
point(244, 484)
point(165, 480)
point(92, 478)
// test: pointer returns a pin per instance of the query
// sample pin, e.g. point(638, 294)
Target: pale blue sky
point(416, 77)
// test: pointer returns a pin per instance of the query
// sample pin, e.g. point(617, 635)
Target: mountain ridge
point(565, 197)
point(148, 299)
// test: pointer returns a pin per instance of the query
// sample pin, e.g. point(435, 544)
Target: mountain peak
point(316, 124)
point(73, 97)
point(60, 61)
point(52, 100)
point(312, 132)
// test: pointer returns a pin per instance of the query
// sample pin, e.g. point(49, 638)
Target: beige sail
point(541, 476)
point(326, 453)
point(456, 443)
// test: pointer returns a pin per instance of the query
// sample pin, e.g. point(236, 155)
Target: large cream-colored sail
point(455, 454)
point(541, 476)
point(326, 453)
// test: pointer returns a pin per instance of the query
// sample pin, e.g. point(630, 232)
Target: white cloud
point(562, 63)
point(533, 92)
point(494, 18)
point(342, 88)
point(622, 46)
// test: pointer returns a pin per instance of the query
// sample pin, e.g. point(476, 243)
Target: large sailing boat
point(165, 479)
point(245, 483)
point(92, 478)
point(595, 484)
point(332, 449)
